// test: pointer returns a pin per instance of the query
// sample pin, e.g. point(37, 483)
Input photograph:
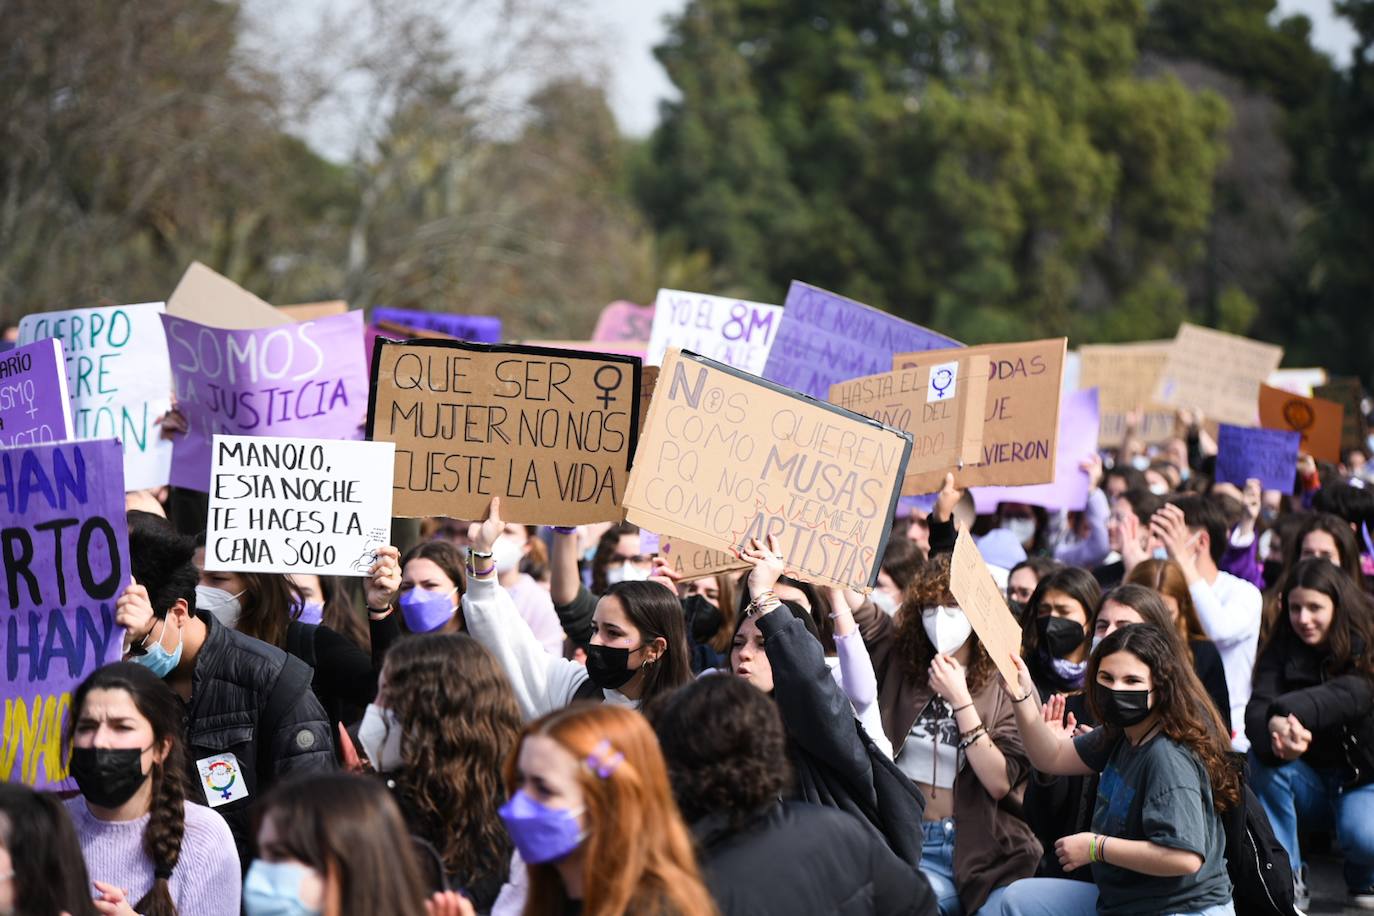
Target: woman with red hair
point(593, 817)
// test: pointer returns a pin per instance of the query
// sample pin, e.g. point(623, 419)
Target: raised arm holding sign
point(984, 605)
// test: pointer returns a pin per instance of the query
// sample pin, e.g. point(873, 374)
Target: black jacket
point(836, 763)
point(253, 701)
point(1207, 664)
point(794, 858)
point(1291, 679)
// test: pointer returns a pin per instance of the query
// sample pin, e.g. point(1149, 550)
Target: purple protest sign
point(306, 380)
point(1268, 455)
point(825, 338)
point(34, 407)
point(66, 558)
point(1079, 426)
point(479, 328)
point(622, 321)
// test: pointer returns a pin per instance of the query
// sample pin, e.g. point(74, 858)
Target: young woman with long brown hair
point(1157, 840)
point(443, 725)
point(593, 816)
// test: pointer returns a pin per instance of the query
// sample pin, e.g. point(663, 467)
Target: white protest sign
point(119, 378)
point(736, 332)
point(281, 505)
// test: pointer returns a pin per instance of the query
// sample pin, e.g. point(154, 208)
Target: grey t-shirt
point(1159, 792)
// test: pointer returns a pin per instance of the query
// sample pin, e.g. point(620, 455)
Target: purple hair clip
point(601, 764)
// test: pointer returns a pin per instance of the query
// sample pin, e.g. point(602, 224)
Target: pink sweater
point(206, 881)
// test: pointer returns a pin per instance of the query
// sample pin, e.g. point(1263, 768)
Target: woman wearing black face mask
point(142, 840)
point(1054, 639)
point(1157, 842)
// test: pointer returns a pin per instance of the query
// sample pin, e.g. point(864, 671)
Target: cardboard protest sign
point(118, 378)
point(736, 332)
point(635, 348)
point(551, 432)
point(690, 561)
point(1268, 455)
point(309, 311)
point(984, 605)
point(208, 298)
point(281, 505)
point(302, 380)
point(624, 322)
point(1318, 420)
point(824, 338)
point(1217, 373)
point(1078, 429)
point(1021, 419)
point(1297, 381)
point(941, 406)
point(1349, 393)
point(478, 328)
point(726, 456)
point(1125, 376)
point(35, 407)
point(66, 558)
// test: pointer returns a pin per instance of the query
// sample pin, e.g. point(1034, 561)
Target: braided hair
point(162, 836)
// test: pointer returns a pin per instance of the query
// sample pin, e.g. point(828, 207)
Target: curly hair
point(166, 826)
point(737, 764)
point(1186, 714)
point(460, 722)
point(929, 588)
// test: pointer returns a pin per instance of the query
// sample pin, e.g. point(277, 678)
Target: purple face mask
point(425, 612)
point(311, 612)
point(542, 834)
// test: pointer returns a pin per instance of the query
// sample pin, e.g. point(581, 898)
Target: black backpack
point(1261, 875)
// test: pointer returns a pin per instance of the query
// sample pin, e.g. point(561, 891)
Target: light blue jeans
point(937, 864)
point(1062, 897)
point(1296, 792)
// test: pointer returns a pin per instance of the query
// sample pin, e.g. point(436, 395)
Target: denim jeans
point(937, 864)
point(1062, 897)
point(1298, 793)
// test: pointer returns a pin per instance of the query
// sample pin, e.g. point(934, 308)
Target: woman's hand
point(664, 574)
point(1053, 714)
point(768, 565)
point(449, 903)
point(947, 678)
point(1024, 686)
point(1288, 737)
point(1092, 466)
point(1134, 550)
point(482, 535)
point(112, 900)
point(134, 612)
point(1073, 850)
point(947, 499)
point(380, 590)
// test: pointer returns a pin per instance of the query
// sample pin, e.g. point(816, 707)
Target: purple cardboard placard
point(622, 321)
point(825, 338)
point(1269, 455)
point(478, 328)
point(1079, 426)
point(306, 380)
point(66, 558)
point(34, 406)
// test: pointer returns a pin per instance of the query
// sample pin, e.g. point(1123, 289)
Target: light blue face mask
point(157, 659)
point(274, 889)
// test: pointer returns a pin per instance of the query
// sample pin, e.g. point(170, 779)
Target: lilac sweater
point(206, 881)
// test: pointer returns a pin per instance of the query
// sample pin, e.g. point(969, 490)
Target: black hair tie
point(162, 873)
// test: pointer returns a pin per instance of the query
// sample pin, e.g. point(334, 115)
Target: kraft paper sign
point(1267, 455)
point(943, 415)
point(984, 605)
point(66, 559)
point(1078, 422)
point(1349, 393)
point(690, 561)
point(34, 405)
point(1126, 376)
point(826, 338)
point(308, 311)
point(1021, 416)
point(727, 456)
point(1317, 420)
point(551, 432)
point(211, 299)
point(119, 379)
point(736, 332)
point(1217, 373)
point(280, 505)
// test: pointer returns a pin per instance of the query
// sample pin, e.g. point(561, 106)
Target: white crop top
point(930, 754)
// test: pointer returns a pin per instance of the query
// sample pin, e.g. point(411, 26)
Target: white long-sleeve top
point(1230, 611)
point(852, 669)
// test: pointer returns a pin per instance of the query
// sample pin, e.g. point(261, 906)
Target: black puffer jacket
point(795, 857)
point(251, 701)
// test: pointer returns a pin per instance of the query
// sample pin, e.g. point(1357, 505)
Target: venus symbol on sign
point(606, 390)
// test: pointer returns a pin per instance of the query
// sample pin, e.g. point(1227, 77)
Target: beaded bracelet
point(968, 742)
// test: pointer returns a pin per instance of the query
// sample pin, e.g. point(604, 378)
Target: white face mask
point(224, 607)
point(883, 602)
point(625, 572)
point(947, 628)
point(380, 735)
point(1023, 529)
point(506, 555)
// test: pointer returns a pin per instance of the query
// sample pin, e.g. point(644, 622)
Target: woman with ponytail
point(168, 856)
